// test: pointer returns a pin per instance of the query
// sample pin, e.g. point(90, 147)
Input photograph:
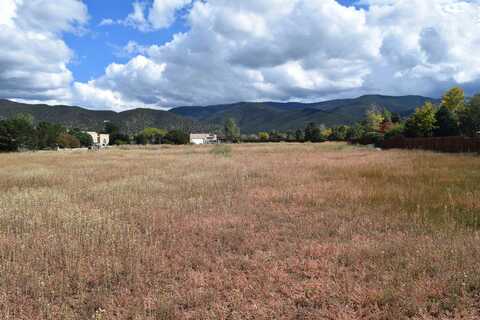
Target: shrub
point(66, 140)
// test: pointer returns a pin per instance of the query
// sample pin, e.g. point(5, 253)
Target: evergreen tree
point(447, 122)
point(299, 135)
point(470, 117)
point(48, 134)
point(313, 133)
point(17, 133)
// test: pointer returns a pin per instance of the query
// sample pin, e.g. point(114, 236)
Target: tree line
point(146, 136)
point(454, 116)
point(20, 133)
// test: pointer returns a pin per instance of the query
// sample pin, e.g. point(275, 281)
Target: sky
point(119, 55)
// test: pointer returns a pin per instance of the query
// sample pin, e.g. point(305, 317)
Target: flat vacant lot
point(279, 231)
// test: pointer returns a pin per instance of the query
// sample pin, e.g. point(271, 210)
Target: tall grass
point(284, 231)
point(221, 150)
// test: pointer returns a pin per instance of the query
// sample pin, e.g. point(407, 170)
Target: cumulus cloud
point(162, 13)
point(159, 15)
point(283, 50)
point(123, 86)
point(427, 49)
point(34, 59)
point(255, 50)
point(307, 50)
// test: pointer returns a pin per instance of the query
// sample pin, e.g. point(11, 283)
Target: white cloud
point(301, 50)
point(309, 50)
point(137, 17)
point(122, 86)
point(33, 59)
point(160, 15)
point(252, 50)
point(106, 22)
point(426, 49)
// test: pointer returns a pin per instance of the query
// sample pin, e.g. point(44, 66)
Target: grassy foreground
point(280, 231)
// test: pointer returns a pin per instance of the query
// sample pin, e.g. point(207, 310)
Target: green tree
point(313, 133)
point(454, 99)
point(154, 135)
point(356, 132)
point(84, 138)
point(299, 135)
point(290, 136)
point(387, 115)
point(447, 122)
point(470, 117)
point(339, 133)
point(374, 120)
point(17, 133)
point(277, 135)
point(7, 137)
point(263, 136)
point(422, 123)
point(111, 128)
point(141, 139)
point(396, 118)
point(119, 139)
point(176, 137)
point(396, 130)
point(232, 132)
point(48, 134)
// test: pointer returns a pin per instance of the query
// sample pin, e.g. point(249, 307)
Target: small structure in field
point(99, 139)
point(203, 138)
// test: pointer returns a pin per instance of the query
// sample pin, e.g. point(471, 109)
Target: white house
point(100, 139)
point(203, 138)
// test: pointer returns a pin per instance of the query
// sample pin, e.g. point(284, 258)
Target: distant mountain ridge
point(131, 121)
point(251, 117)
point(258, 116)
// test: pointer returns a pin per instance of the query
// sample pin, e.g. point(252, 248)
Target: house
point(100, 139)
point(203, 138)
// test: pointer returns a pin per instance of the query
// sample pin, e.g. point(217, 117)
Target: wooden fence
point(447, 144)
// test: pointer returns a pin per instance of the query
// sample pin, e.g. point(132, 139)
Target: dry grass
point(281, 231)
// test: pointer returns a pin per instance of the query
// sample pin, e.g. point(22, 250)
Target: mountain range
point(251, 117)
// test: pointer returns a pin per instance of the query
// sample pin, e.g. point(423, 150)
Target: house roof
point(201, 135)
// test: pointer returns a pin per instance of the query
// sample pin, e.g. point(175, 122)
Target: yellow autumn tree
point(454, 99)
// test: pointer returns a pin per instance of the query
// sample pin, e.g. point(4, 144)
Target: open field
point(280, 231)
